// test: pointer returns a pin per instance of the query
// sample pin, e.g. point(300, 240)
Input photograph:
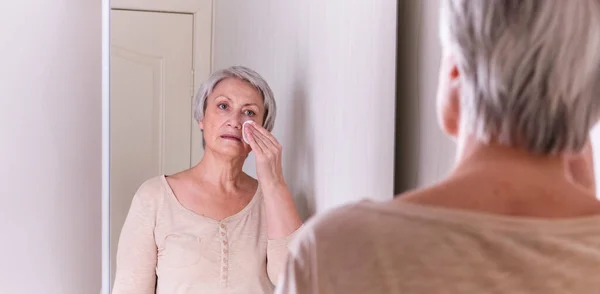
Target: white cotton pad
point(244, 130)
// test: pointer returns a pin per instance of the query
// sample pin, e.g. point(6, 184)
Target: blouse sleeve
point(277, 251)
point(137, 250)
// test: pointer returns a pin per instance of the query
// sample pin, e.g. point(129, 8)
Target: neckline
point(230, 218)
point(483, 220)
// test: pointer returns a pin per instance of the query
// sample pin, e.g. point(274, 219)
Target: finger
point(257, 140)
point(267, 144)
point(253, 142)
point(265, 135)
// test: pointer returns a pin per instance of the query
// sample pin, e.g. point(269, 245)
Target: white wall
point(331, 65)
point(50, 147)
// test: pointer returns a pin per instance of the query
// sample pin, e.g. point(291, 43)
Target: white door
point(150, 104)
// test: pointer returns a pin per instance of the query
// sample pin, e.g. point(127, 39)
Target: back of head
point(530, 70)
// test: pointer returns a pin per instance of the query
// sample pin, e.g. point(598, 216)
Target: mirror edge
point(105, 147)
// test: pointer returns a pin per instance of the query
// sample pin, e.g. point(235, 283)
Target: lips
point(232, 137)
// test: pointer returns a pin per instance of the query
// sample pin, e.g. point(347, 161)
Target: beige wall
point(50, 147)
point(331, 65)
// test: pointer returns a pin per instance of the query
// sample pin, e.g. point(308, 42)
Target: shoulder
point(338, 226)
point(152, 186)
point(151, 192)
point(335, 241)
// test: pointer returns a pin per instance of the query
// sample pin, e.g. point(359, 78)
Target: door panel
point(188, 6)
point(150, 97)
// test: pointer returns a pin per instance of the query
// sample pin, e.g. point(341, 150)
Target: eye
point(249, 112)
point(222, 106)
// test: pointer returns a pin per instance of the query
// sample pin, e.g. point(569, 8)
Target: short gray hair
point(244, 74)
point(530, 70)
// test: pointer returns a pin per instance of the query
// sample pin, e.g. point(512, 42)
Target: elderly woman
point(519, 91)
point(213, 228)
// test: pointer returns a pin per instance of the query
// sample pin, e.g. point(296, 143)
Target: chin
point(230, 150)
point(233, 153)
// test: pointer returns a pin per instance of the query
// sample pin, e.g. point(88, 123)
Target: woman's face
point(231, 103)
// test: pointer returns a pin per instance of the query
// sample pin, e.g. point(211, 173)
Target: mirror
point(159, 53)
point(333, 76)
point(332, 68)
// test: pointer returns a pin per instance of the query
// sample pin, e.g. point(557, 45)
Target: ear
point(449, 96)
point(201, 124)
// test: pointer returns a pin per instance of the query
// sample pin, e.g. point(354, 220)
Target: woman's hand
point(282, 216)
point(268, 155)
point(579, 168)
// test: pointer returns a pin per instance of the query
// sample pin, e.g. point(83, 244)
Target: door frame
point(203, 13)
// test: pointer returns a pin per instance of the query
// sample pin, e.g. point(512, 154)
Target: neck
point(474, 155)
point(224, 172)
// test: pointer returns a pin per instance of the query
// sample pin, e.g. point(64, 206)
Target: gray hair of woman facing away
point(531, 82)
point(244, 74)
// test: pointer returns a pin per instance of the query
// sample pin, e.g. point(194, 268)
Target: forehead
point(236, 89)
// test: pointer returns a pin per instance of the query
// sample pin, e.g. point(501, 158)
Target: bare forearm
point(282, 216)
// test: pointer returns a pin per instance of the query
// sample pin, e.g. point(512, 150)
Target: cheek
point(209, 123)
point(260, 119)
point(215, 116)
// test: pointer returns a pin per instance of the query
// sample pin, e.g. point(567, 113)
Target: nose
point(235, 121)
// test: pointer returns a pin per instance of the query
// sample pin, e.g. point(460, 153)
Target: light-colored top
point(408, 248)
point(190, 253)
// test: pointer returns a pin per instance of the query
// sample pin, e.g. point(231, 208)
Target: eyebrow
point(223, 97)
point(247, 104)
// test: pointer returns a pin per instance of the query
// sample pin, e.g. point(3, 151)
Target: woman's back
point(411, 248)
point(514, 228)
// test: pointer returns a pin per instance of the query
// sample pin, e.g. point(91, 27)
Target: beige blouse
point(189, 253)
point(412, 249)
